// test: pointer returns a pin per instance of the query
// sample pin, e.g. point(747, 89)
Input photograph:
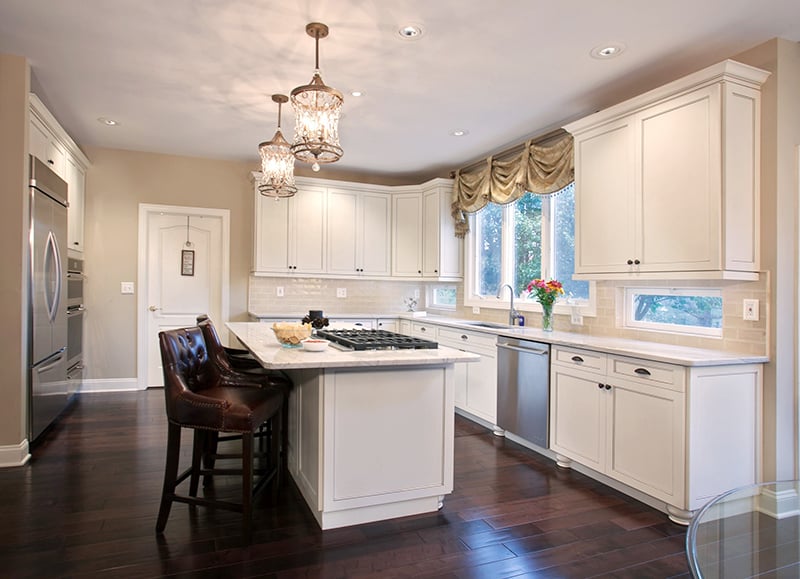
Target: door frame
point(146, 210)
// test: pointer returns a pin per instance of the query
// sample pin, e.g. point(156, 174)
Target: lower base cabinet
point(679, 434)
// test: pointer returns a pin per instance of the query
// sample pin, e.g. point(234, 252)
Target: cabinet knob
point(577, 359)
point(636, 262)
point(608, 386)
point(601, 385)
point(419, 271)
point(51, 162)
point(464, 337)
point(630, 262)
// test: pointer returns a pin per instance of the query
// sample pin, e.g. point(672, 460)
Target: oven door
point(75, 288)
point(75, 335)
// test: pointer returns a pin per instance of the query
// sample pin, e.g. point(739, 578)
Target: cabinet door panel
point(430, 234)
point(375, 237)
point(407, 231)
point(577, 411)
point(342, 231)
point(76, 181)
point(309, 218)
point(604, 199)
point(482, 387)
point(271, 235)
point(680, 144)
point(646, 438)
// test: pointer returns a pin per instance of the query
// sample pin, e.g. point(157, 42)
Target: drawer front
point(647, 372)
point(461, 339)
point(575, 358)
point(422, 330)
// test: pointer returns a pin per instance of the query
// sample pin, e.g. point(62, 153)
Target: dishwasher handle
point(541, 352)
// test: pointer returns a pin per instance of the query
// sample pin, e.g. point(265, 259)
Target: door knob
point(153, 309)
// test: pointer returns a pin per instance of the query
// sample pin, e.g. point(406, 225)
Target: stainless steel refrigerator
point(50, 391)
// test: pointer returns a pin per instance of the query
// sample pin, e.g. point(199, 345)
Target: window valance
point(536, 169)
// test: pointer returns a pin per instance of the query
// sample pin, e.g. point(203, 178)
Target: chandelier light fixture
point(317, 108)
point(277, 161)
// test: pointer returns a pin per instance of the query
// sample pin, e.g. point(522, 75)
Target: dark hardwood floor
point(86, 506)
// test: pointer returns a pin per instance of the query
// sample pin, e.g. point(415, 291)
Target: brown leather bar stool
point(267, 378)
point(241, 360)
point(202, 398)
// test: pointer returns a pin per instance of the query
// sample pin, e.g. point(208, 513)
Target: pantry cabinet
point(667, 183)
point(49, 143)
point(679, 434)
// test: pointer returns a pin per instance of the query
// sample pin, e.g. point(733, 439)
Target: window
point(533, 237)
point(441, 297)
point(685, 310)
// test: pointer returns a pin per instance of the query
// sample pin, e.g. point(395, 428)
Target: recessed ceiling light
point(609, 50)
point(459, 132)
point(410, 31)
point(107, 122)
point(357, 93)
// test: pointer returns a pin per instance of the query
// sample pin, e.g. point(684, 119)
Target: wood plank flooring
point(86, 507)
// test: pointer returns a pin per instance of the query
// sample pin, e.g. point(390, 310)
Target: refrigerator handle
point(53, 299)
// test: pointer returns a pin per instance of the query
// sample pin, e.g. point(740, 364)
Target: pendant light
point(317, 108)
point(277, 161)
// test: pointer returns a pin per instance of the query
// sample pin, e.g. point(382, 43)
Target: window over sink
point(533, 237)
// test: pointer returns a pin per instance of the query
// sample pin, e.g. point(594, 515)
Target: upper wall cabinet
point(342, 229)
point(667, 183)
point(52, 145)
point(425, 244)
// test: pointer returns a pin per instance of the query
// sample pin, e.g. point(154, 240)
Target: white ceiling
point(194, 77)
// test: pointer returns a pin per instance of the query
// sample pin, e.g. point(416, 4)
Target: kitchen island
point(370, 432)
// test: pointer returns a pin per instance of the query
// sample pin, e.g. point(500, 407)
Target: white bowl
point(314, 344)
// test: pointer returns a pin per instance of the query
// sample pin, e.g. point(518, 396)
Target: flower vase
point(547, 317)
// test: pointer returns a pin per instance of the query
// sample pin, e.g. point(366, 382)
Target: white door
point(183, 272)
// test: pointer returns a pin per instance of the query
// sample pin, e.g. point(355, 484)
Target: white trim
point(14, 454)
point(110, 385)
point(145, 210)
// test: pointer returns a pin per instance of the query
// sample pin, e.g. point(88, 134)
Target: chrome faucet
point(513, 314)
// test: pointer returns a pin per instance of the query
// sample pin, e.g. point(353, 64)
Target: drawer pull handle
point(577, 359)
point(642, 371)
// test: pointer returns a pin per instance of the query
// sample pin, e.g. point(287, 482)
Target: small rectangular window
point(683, 310)
point(442, 297)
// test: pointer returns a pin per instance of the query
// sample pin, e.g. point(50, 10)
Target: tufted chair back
point(188, 370)
point(216, 350)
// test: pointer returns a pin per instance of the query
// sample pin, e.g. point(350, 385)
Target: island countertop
point(261, 341)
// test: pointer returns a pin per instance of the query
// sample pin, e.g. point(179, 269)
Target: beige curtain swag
point(536, 169)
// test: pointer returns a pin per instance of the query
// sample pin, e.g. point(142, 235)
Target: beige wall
point(116, 183)
point(780, 130)
point(14, 83)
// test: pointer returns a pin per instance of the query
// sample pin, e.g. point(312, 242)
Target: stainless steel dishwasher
point(523, 388)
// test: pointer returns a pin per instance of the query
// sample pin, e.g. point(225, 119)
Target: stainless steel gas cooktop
point(375, 340)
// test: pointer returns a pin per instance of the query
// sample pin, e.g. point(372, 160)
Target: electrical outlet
point(476, 310)
point(341, 292)
point(126, 287)
point(279, 291)
point(576, 319)
point(416, 294)
point(750, 310)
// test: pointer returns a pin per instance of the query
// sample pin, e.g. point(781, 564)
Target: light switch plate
point(126, 287)
point(341, 292)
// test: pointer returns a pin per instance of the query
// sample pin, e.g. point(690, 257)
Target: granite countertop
point(260, 340)
point(655, 351)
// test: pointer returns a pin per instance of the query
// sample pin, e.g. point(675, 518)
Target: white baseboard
point(109, 385)
point(14, 454)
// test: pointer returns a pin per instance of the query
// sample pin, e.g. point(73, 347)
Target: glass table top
point(748, 532)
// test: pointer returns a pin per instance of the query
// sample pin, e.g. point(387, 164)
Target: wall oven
point(75, 313)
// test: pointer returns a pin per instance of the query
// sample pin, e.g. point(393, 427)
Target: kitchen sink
point(488, 325)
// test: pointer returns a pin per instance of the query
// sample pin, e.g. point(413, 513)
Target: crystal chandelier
point(277, 161)
point(317, 108)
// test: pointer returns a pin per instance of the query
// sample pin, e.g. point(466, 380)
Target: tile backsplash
point(387, 297)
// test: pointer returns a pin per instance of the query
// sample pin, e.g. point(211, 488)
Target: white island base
point(373, 443)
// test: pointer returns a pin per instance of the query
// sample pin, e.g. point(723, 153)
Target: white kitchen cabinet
point(388, 324)
point(290, 233)
point(679, 434)
point(667, 183)
point(425, 244)
point(49, 143)
point(476, 383)
point(407, 235)
point(358, 229)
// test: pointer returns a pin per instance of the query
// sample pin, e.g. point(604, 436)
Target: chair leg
point(212, 442)
point(247, 485)
point(199, 450)
point(170, 475)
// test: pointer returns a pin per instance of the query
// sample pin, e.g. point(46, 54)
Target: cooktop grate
point(375, 340)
